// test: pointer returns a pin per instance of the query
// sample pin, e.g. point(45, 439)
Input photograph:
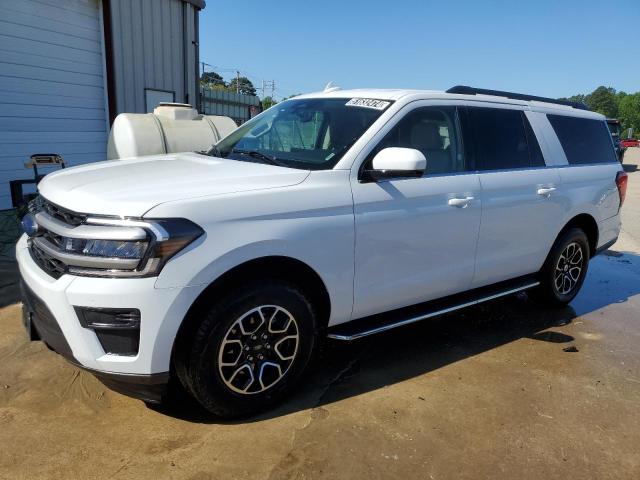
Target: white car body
point(375, 246)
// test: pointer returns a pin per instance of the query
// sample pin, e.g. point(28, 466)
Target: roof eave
point(200, 4)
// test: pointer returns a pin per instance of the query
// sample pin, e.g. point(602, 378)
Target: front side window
point(309, 134)
point(433, 131)
point(583, 140)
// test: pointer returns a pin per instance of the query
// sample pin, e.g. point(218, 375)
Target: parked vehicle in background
point(614, 128)
point(629, 142)
point(337, 214)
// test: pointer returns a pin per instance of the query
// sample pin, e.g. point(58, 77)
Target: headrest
point(426, 136)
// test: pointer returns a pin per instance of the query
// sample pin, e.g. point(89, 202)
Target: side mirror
point(395, 162)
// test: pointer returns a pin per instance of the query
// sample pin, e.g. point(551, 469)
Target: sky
point(547, 48)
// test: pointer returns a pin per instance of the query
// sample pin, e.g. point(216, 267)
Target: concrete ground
point(504, 390)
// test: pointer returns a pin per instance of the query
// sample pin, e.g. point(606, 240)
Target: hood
point(133, 186)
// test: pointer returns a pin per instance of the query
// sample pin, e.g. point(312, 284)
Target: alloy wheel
point(569, 268)
point(258, 349)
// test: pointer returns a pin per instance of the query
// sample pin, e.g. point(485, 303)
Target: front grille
point(52, 266)
point(57, 249)
point(54, 239)
point(41, 204)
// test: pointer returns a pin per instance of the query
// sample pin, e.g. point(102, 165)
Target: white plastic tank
point(171, 128)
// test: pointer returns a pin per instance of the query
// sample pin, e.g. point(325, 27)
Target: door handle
point(545, 192)
point(460, 202)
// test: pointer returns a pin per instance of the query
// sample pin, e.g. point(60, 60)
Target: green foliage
point(215, 81)
point(268, 102)
point(613, 104)
point(212, 80)
point(245, 87)
point(629, 112)
point(574, 98)
point(603, 100)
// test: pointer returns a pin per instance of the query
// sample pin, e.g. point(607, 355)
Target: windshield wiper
point(262, 156)
point(213, 152)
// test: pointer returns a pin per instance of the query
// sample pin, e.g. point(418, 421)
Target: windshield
point(311, 134)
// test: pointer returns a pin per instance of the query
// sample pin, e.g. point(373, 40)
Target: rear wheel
point(249, 349)
point(565, 269)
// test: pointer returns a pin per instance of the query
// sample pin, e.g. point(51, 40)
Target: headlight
point(166, 237)
point(111, 247)
point(106, 248)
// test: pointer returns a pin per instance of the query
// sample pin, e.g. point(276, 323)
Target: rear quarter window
point(583, 140)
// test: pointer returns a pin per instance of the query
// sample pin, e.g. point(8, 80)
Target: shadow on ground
point(9, 278)
point(349, 369)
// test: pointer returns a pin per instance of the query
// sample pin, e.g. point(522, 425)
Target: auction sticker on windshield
point(368, 103)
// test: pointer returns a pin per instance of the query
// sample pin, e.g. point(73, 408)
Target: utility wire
point(237, 72)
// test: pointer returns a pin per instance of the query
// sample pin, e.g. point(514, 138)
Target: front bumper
point(40, 324)
point(50, 314)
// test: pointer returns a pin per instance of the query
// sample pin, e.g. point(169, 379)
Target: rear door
point(588, 166)
point(519, 205)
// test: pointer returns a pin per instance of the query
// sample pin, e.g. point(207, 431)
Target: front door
point(416, 237)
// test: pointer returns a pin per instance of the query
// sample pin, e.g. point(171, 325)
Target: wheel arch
point(588, 225)
point(275, 266)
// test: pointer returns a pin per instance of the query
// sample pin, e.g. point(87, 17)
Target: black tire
point(556, 271)
point(199, 352)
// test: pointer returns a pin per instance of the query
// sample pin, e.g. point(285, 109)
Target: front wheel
point(250, 348)
point(565, 269)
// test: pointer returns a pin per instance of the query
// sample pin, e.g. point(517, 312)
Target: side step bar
point(364, 327)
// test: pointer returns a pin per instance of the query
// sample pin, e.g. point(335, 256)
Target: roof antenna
point(330, 88)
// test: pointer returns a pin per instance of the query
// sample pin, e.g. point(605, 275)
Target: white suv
point(338, 214)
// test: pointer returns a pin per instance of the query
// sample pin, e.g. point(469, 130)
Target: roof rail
point(465, 90)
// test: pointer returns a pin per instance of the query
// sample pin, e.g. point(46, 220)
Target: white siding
point(52, 97)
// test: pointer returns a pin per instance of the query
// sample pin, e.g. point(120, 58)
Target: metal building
point(68, 67)
point(239, 107)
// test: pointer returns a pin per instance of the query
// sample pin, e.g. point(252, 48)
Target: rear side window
point(583, 140)
point(501, 139)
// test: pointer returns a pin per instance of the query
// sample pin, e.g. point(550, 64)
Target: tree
point(629, 112)
point(622, 105)
point(603, 100)
point(212, 80)
point(243, 85)
point(574, 98)
point(268, 102)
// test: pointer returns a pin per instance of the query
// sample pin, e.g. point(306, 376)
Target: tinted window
point(583, 140)
point(499, 138)
point(433, 131)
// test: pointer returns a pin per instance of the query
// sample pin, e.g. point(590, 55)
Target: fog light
point(117, 329)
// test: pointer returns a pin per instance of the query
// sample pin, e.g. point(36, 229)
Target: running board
point(364, 327)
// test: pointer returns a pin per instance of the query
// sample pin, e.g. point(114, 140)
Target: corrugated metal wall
point(229, 104)
point(150, 41)
point(52, 97)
